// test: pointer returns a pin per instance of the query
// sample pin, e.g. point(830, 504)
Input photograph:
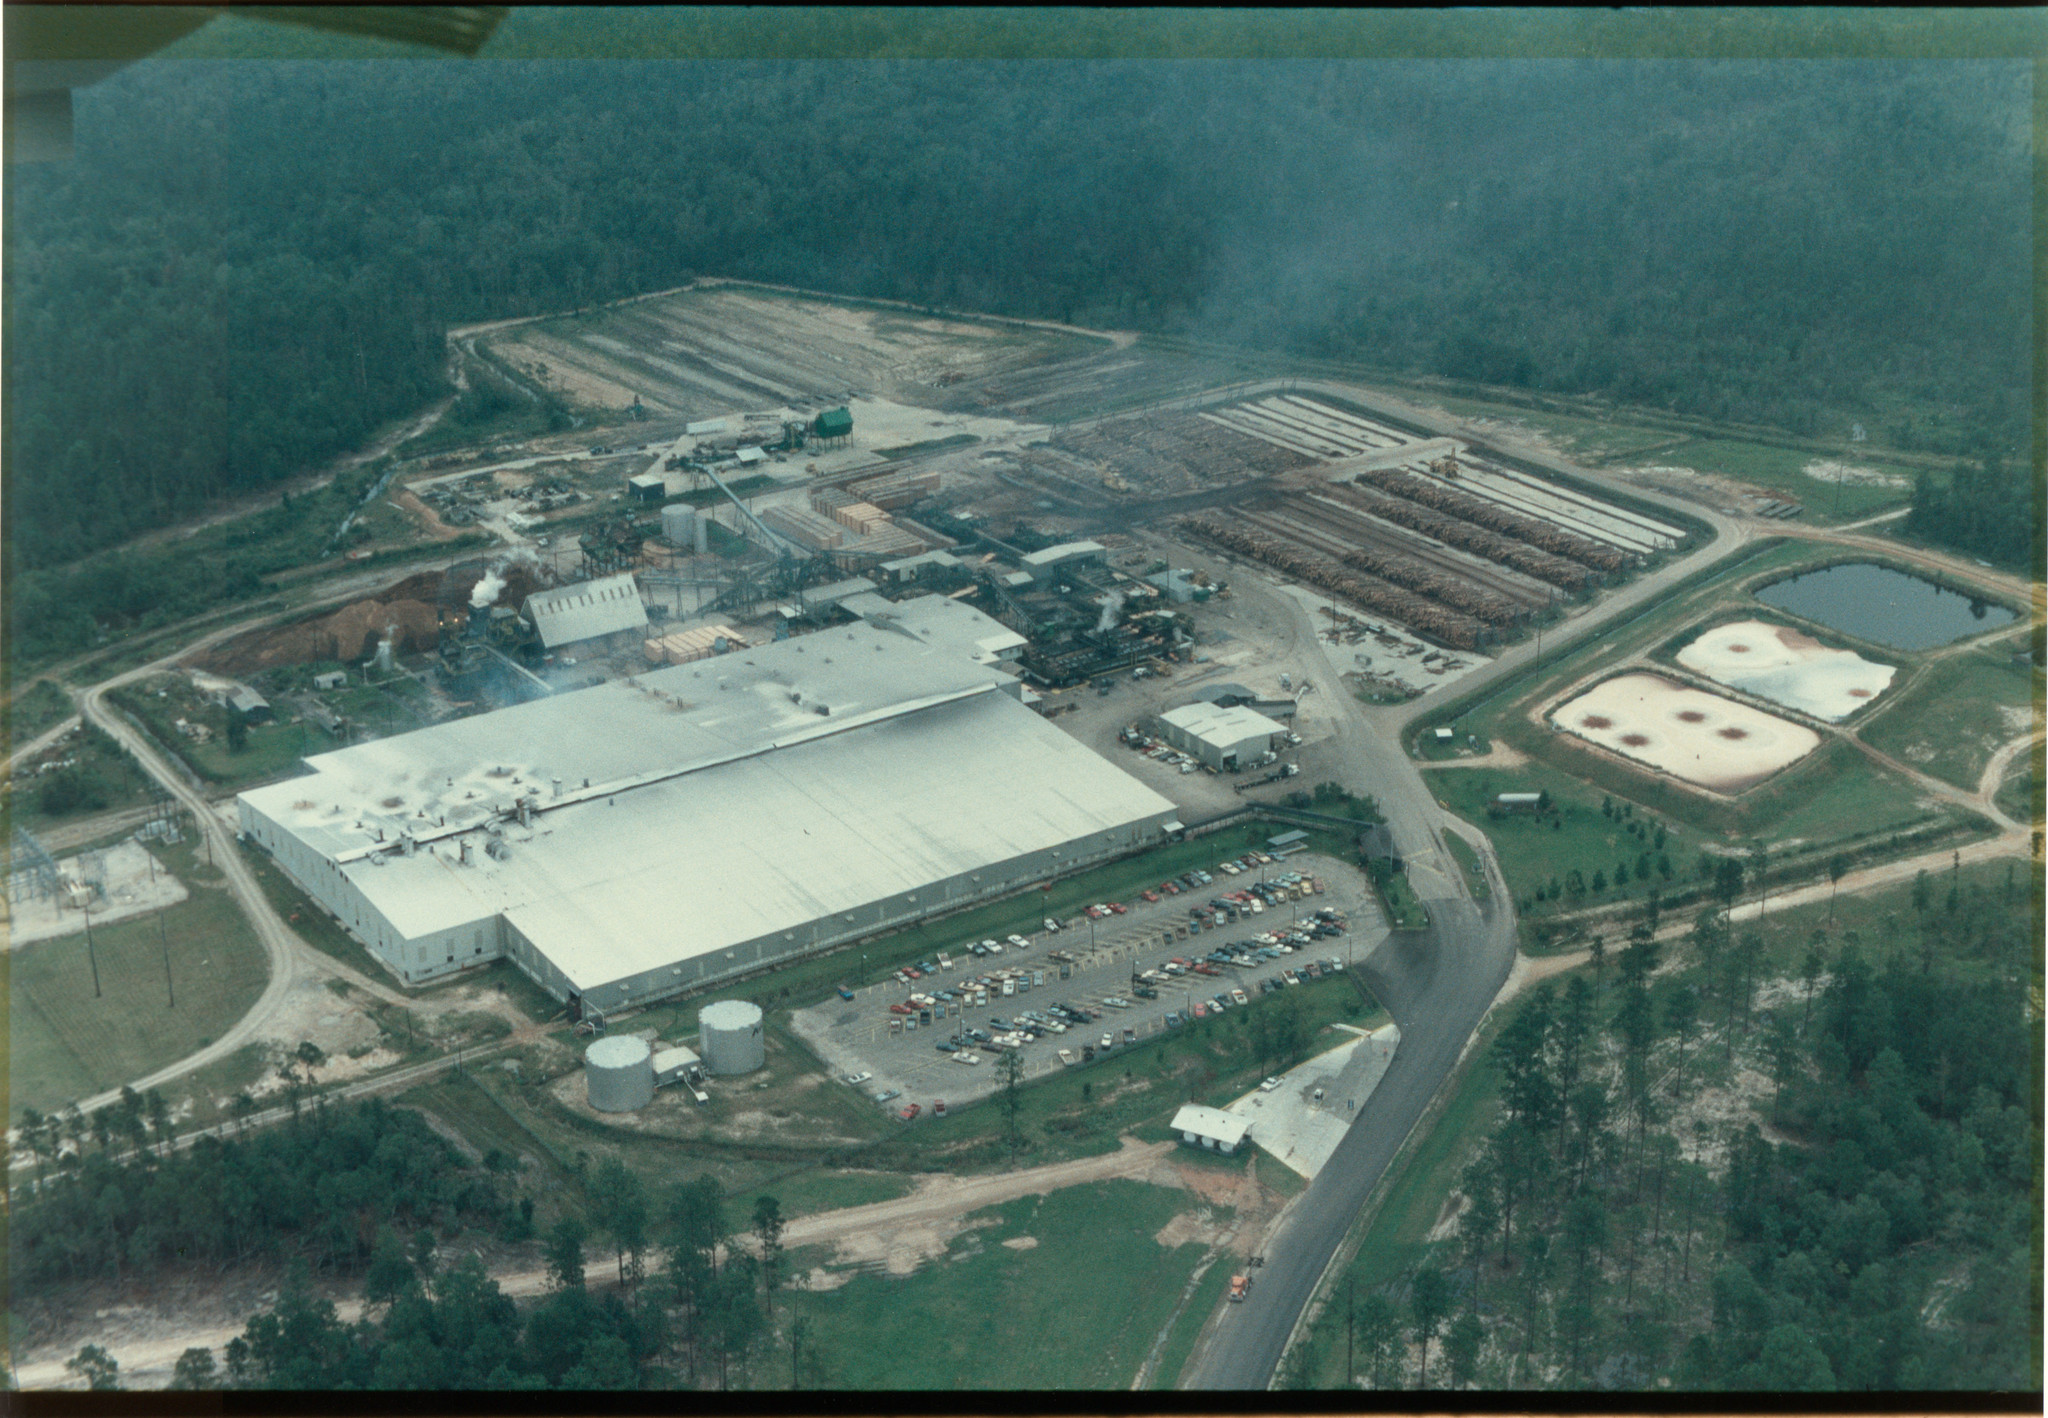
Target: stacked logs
point(1418, 613)
point(1475, 601)
point(1491, 514)
point(1457, 532)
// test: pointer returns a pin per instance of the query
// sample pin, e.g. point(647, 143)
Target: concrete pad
point(135, 883)
point(1301, 1131)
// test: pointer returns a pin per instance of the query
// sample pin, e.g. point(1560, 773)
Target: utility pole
point(165, 941)
point(1350, 1331)
point(91, 958)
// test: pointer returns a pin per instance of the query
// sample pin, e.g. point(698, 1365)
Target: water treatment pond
point(1889, 607)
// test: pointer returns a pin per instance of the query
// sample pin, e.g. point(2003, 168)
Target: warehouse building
point(608, 610)
point(1046, 565)
point(1210, 1128)
point(1223, 738)
point(648, 836)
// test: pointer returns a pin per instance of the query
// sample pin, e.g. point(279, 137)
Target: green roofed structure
point(833, 423)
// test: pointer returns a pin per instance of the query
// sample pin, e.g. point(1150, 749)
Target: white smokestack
point(486, 592)
point(1112, 606)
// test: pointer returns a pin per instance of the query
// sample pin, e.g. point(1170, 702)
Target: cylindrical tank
point(679, 524)
point(730, 1038)
point(619, 1071)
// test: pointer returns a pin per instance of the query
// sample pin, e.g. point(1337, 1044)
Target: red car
point(1171, 888)
point(913, 974)
point(1149, 895)
point(1117, 906)
point(910, 1112)
point(902, 1009)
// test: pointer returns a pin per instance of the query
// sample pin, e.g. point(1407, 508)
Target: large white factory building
point(631, 840)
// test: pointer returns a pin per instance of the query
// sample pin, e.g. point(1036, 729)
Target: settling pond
point(1888, 607)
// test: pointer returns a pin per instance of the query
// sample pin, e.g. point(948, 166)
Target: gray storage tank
point(619, 1072)
point(729, 1033)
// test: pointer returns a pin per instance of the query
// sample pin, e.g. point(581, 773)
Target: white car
point(1051, 924)
point(1020, 942)
point(855, 1080)
point(1269, 1085)
point(993, 947)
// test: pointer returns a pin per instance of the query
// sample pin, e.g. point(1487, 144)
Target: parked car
point(1019, 942)
point(1051, 924)
point(910, 1112)
point(1173, 1020)
point(945, 1046)
point(1269, 1085)
point(845, 993)
point(1149, 895)
point(886, 1095)
point(856, 1079)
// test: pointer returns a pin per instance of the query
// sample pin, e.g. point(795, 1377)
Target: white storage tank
point(679, 524)
point(729, 1033)
point(619, 1072)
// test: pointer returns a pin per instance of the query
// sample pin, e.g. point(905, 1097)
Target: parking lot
point(856, 1037)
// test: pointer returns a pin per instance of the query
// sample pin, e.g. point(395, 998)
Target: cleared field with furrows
point(712, 351)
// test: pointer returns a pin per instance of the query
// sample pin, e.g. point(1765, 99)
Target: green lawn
point(1535, 848)
point(1468, 860)
point(1079, 1310)
point(1950, 721)
point(65, 1041)
point(1404, 911)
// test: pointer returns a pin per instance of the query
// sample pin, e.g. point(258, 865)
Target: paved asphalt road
point(1437, 983)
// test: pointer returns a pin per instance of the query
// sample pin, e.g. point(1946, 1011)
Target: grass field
point(65, 1041)
point(1949, 722)
point(1079, 1310)
point(1782, 471)
point(1180, 1344)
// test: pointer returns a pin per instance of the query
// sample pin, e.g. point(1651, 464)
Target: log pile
point(1475, 601)
point(1491, 514)
point(1419, 613)
point(1467, 536)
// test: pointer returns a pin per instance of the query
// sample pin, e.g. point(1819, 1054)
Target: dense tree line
point(1979, 508)
point(1883, 1235)
point(249, 265)
point(701, 1321)
point(114, 1196)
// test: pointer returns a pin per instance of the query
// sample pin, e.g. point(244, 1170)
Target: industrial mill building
point(651, 835)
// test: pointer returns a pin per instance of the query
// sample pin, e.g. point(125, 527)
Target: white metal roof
point(586, 610)
point(722, 806)
point(940, 620)
point(1065, 551)
point(705, 426)
point(1226, 1128)
point(837, 591)
point(1223, 727)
